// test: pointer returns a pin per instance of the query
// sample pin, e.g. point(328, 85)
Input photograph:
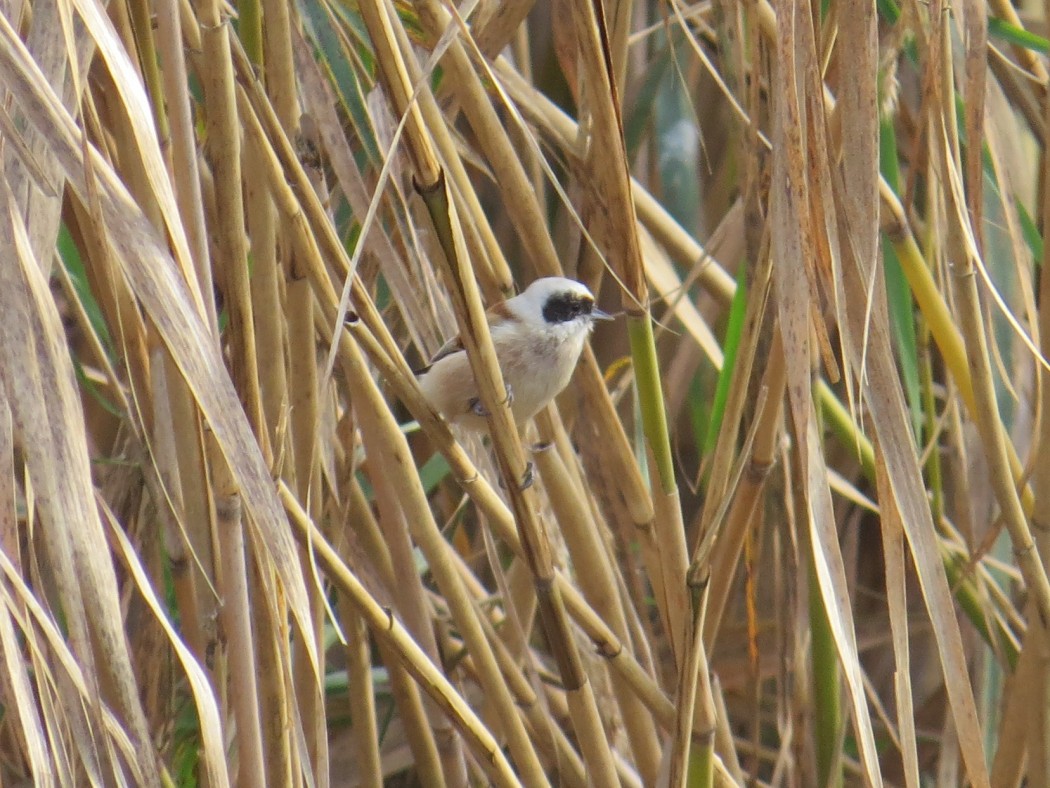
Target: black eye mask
point(563, 307)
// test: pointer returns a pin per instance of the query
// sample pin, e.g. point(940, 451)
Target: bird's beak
point(597, 314)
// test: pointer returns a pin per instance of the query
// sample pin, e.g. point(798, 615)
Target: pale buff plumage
point(538, 336)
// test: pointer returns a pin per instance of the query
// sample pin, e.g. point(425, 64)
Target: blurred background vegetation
point(788, 524)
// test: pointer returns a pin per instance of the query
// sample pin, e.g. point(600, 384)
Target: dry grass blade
point(152, 276)
point(39, 380)
point(237, 543)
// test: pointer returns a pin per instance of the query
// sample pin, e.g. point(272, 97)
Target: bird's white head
point(556, 301)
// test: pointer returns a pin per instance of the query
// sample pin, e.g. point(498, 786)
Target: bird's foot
point(477, 408)
point(480, 410)
point(528, 477)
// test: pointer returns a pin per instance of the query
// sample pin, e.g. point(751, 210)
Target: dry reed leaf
point(887, 413)
point(97, 735)
point(48, 425)
point(792, 244)
point(212, 740)
point(148, 158)
point(21, 701)
point(896, 594)
point(154, 278)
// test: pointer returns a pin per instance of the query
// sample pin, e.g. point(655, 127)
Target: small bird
point(538, 336)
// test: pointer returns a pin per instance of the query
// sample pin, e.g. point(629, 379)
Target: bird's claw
point(528, 477)
point(477, 408)
point(480, 410)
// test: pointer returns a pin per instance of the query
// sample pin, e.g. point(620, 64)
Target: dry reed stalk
point(387, 448)
point(500, 518)
point(235, 615)
point(368, 540)
point(593, 571)
point(224, 158)
point(431, 185)
point(386, 627)
point(523, 207)
point(362, 700)
point(340, 236)
point(965, 249)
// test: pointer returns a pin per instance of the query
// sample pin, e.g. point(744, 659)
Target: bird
point(538, 335)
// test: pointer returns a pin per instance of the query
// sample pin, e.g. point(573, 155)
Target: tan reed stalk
point(594, 573)
point(224, 154)
point(418, 730)
point(724, 744)
point(368, 763)
point(302, 393)
point(501, 520)
point(364, 728)
point(273, 386)
point(543, 727)
point(304, 414)
point(197, 517)
point(522, 206)
point(388, 628)
point(276, 711)
point(235, 617)
point(497, 24)
point(387, 450)
point(183, 571)
point(408, 592)
point(224, 157)
point(521, 603)
point(985, 408)
point(470, 314)
point(493, 271)
point(142, 28)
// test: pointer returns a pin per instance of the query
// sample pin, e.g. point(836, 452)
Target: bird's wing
point(454, 345)
point(496, 313)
